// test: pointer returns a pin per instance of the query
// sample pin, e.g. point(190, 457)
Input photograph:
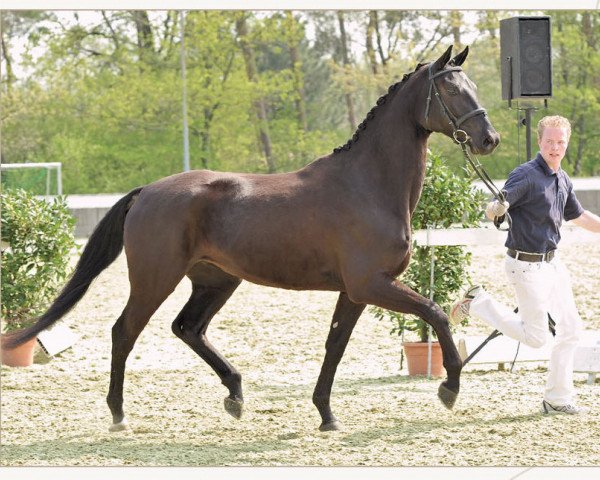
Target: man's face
point(553, 144)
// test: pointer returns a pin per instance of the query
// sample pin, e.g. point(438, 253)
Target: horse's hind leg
point(152, 280)
point(211, 288)
point(125, 332)
point(344, 319)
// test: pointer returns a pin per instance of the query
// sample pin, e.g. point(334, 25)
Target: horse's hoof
point(331, 426)
point(234, 407)
point(119, 427)
point(447, 396)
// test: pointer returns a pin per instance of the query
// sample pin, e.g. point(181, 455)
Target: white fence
point(489, 235)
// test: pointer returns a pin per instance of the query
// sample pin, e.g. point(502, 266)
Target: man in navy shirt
point(539, 197)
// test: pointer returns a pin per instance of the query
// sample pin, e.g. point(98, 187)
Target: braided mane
point(380, 101)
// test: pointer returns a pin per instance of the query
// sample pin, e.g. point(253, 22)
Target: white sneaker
point(569, 409)
point(460, 310)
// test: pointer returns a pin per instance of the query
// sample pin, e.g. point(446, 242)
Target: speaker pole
point(510, 82)
point(528, 132)
point(526, 122)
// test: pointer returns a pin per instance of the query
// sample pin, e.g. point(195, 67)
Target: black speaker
point(526, 57)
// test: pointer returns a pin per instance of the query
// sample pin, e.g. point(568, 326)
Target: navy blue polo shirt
point(540, 199)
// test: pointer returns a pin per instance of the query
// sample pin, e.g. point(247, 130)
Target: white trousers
point(541, 288)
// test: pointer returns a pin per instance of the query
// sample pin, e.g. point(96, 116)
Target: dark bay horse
point(342, 223)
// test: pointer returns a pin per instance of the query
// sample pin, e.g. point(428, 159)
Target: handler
point(539, 197)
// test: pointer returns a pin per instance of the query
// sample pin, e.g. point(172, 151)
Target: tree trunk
point(167, 42)
point(260, 104)
point(370, 47)
point(113, 35)
point(588, 33)
point(563, 54)
point(382, 55)
point(346, 62)
point(588, 29)
point(204, 133)
point(145, 37)
point(10, 74)
point(456, 23)
point(205, 137)
point(580, 127)
point(293, 42)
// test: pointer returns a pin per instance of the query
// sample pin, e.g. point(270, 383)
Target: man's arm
point(589, 221)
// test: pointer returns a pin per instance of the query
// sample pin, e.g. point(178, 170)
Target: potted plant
point(447, 198)
point(37, 240)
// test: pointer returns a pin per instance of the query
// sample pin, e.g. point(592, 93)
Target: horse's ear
point(460, 58)
point(442, 61)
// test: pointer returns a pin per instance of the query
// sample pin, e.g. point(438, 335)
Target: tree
point(456, 24)
point(346, 63)
point(294, 37)
point(577, 95)
point(104, 98)
point(260, 103)
point(212, 63)
point(14, 24)
point(145, 36)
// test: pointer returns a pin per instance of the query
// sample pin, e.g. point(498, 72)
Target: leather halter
point(460, 136)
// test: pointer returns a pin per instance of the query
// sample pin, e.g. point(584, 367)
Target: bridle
point(461, 137)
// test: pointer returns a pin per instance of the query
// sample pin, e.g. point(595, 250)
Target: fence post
point(59, 178)
point(431, 292)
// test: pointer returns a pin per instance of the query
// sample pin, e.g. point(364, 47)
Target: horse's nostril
point(491, 140)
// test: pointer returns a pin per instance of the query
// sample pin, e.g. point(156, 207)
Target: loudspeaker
point(526, 57)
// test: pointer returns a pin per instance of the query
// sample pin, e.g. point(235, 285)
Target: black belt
point(531, 257)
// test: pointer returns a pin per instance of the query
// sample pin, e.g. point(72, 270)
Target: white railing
point(487, 235)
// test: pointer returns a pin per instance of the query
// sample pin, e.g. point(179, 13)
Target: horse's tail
point(103, 247)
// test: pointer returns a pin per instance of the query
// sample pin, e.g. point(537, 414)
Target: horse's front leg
point(386, 292)
point(344, 319)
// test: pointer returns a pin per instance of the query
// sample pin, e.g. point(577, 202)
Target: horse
point(342, 223)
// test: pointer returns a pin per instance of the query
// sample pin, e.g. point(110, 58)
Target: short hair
point(555, 121)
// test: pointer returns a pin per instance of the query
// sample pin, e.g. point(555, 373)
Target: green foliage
point(106, 102)
point(447, 199)
point(39, 235)
point(576, 38)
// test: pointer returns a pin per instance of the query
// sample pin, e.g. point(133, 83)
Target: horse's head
point(451, 107)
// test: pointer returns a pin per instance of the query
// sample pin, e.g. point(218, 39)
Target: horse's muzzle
point(488, 144)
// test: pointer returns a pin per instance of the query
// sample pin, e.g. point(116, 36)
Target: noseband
point(460, 136)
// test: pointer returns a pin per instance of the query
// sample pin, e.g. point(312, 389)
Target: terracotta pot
point(416, 358)
point(21, 356)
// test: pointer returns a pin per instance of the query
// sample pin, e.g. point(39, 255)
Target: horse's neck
point(391, 154)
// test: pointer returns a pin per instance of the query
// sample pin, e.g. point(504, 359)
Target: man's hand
point(496, 209)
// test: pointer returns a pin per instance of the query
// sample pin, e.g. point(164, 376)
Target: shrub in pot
point(37, 240)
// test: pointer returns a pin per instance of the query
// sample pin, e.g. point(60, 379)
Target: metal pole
point(59, 179)
point(47, 181)
point(528, 132)
point(431, 288)
point(186, 141)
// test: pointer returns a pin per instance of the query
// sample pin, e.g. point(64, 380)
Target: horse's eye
point(452, 90)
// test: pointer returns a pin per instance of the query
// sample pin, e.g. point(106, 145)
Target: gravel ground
point(55, 413)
